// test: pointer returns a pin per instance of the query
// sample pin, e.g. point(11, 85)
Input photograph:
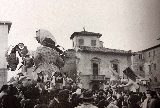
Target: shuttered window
point(81, 41)
point(93, 42)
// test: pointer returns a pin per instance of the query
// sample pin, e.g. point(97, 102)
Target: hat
point(88, 94)
point(21, 44)
point(101, 93)
point(63, 94)
point(43, 34)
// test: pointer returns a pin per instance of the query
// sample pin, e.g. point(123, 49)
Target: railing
point(97, 77)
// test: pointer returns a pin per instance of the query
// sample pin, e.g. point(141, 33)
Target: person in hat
point(87, 100)
point(76, 100)
point(62, 100)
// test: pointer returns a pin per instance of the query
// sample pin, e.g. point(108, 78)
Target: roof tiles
point(103, 50)
point(85, 33)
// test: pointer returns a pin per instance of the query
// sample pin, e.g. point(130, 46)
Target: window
point(140, 56)
point(93, 42)
point(154, 53)
point(149, 54)
point(73, 43)
point(81, 41)
point(155, 66)
point(115, 67)
point(149, 67)
point(95, 69)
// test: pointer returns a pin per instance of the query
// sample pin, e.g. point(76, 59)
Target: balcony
point(97, 77)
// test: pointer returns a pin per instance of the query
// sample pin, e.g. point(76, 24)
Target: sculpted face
point(21, 45)
point(38, 36)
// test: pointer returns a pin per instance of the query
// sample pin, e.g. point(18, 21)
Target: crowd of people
point(33, 96)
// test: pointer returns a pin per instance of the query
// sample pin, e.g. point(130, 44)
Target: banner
point(130, 74)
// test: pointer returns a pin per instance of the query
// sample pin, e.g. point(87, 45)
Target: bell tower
point(85, 38)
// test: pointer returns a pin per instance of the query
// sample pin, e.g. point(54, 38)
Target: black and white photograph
point(79, 53)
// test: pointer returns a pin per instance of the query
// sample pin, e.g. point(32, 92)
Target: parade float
point(118, 84)
point(44, 65)
point(132, 82)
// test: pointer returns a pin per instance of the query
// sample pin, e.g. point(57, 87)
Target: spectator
point(133, 101)
point(102, 101)
point(87, 100)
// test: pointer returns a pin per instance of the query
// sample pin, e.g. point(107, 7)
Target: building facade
point(148, 62)
point(137, 64)
point(96, 63)
point(4, 31)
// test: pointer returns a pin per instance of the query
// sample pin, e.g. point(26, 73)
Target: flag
point(130, 74)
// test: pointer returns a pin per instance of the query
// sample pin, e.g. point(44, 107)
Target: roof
point(85, 33)
point(104, 50)
point(6, 23)
point(151, 48)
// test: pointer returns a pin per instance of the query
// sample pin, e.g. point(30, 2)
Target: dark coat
point(119, 102)
point(103, 104)
point(11, 101)
point(153, 103)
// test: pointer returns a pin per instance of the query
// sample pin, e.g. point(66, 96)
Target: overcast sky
point(124, 24)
